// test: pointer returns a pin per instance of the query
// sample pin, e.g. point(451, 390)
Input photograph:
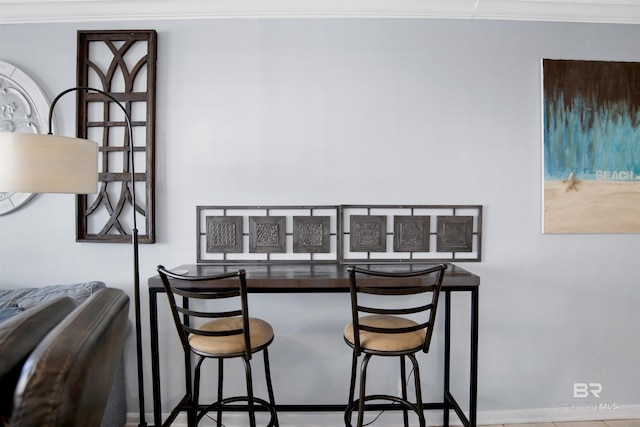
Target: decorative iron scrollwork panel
point(359, 234)
point(122, 64)
point(418, 233)
point(268, 234)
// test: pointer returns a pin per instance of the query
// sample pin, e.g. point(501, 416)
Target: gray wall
point(312, 111)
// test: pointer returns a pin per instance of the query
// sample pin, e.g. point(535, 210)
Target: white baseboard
point(566, 413)
point(512, 416)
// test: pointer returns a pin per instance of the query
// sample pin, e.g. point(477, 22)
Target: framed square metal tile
point(224, 234)
point(411, 233)
point(311, 234)
point(267, 234)
point(455, 234)
point(368, 233)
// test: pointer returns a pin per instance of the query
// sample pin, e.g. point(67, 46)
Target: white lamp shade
point(38, 163)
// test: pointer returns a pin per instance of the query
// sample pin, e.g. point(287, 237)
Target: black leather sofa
point(58, 360)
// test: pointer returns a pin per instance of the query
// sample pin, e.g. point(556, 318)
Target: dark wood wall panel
point(122, 64)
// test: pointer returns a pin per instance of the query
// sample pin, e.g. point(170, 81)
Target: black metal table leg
point(473, 372)
point(447, 356)
point(450, 402)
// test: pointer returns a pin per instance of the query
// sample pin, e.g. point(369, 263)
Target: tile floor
point(605, 423)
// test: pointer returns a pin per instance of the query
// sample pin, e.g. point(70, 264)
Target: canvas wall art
point(591, 146)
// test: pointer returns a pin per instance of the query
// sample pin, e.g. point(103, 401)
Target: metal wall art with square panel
point(311, 234)
point(368, 233)
point(411, 233)
point(266, 234)
point(455, 234)
point(224, 234)
point(354, 234)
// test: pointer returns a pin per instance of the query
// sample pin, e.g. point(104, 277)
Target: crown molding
point(45, 11)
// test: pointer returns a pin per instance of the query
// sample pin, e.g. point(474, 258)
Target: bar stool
point(388, 328)
point(224, 333)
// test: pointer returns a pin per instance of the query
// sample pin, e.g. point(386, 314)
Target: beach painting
point(591, 147)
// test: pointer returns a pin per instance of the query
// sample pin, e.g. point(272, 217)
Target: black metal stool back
point(213, 322)
point(401, 328)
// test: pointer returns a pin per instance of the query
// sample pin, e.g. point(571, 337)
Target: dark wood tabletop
point(313, 278)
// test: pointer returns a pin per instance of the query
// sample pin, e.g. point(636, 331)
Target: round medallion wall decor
point(23, 108)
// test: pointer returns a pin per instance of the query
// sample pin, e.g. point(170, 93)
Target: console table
point(327, 278)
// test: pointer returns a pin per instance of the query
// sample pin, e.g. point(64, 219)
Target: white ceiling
point(606, 11)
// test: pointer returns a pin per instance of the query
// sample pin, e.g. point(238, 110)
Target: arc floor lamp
point(44, 163)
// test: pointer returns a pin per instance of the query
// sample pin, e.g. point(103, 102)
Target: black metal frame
point(448, 403)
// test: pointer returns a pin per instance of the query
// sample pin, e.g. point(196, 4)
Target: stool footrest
point(225, 405)
point(408, 405)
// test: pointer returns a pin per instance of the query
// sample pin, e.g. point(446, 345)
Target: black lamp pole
point(134, 239)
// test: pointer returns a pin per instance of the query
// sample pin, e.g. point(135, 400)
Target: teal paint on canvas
point(591, 147)
point(591, 120)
